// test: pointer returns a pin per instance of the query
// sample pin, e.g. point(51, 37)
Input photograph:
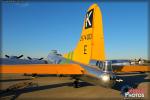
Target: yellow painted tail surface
point(91, 43)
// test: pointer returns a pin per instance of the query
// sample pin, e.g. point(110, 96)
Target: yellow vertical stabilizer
point(91, 43)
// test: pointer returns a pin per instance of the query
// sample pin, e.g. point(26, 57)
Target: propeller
point(6, 56)
point(29, 58)
point(34, 58)
point(19, 56)
point(40, 59)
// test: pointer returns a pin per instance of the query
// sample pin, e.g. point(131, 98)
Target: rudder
point(91, 43)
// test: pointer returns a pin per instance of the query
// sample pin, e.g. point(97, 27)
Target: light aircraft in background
point(87, 62)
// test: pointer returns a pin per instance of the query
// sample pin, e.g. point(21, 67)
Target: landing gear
point(76, 83)
point(34, 76)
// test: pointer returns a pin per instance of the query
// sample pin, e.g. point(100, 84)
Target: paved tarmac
point(52, 87)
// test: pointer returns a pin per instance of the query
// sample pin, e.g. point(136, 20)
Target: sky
point(36, 28)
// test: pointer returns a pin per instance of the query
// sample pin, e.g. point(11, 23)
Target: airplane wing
point(73, 69)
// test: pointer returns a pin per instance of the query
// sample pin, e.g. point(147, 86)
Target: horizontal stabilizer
point(132, 69)
point(43, 69)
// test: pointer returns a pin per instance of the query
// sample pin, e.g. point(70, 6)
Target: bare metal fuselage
point(93, 74)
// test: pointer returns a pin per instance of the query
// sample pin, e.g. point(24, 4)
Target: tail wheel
point(76, 83)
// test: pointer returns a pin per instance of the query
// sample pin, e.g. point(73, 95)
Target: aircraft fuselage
point(93, 74)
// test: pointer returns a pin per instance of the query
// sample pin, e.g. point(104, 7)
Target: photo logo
point(129, 92)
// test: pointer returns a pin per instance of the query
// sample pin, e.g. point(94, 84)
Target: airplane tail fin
point(91, 43)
